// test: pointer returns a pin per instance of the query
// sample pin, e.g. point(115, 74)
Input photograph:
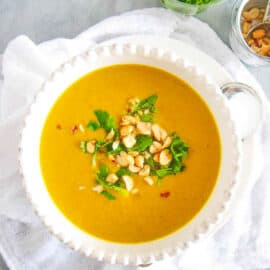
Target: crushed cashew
point(115, 144)
point(149, 180)
point(156, 157)
point(128, 120)
point(139, 161)
point(90, 147)
point(144, 128)
point(145, 171)
point(165, 157)
point(122, 159)
point(167, 142)
point(155, 147)
point(133, 153)
point(129, 141)
point(133, 168)
point(126, 130)
point(98, 188)
point(128, 182)
point(112, 178)
point(110, 135)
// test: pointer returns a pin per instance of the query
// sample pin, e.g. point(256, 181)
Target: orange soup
point(164, 121)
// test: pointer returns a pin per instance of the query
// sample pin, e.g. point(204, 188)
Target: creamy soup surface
point(69, 175)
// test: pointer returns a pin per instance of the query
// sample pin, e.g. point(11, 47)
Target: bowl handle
point(246, 107)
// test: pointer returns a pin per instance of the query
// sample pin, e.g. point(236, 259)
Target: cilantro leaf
point(93, 125)
point(147, 103)
point(150, 161)
point(173, 169)
point(105, 121)
point(142, 143)
point(103, 172)
point(153, 165)
point(147, 117)
point(83, 146)
point(164, 172)
point(123, 171)
point(178, 148)
point(161, 173)
point(159, 180)
point(108, 195)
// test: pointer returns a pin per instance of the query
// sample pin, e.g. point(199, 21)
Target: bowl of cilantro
point(189, 7)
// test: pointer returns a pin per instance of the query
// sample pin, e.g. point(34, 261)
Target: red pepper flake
point(74, 129)
point(101, 151)
point(129, 110)
point(58, 126)
point(113, 160)
point(165, 194)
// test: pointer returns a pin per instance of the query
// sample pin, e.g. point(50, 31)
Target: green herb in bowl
point(189, 7)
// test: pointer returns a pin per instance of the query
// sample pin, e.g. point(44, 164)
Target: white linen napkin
point(243, 243)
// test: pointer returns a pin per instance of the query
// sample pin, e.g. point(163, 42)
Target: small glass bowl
point(237, 41)
point(188, 9)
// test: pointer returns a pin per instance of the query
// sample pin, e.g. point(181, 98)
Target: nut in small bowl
point(259, 38)
point(250, 46)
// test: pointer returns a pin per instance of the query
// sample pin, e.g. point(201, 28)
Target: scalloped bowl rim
point(148, 252)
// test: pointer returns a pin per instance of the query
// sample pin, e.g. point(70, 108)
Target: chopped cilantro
point(108, 195)
point(150, 161)
point(83, 146)
point(178, 148)
point(147, 117)
point(159, 180)
point(147, 103)
point(105, 121)
point(164, 172)
point(173, 169)
point(93, 125)
point(123, 171)
point(142, 143)
point(103, 172)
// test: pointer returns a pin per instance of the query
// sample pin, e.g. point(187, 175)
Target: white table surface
point(43, 20)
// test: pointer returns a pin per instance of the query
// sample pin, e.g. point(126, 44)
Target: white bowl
point(141, 253)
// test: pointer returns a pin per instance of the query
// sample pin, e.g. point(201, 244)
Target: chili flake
point(74, 129)
point(165, 194)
